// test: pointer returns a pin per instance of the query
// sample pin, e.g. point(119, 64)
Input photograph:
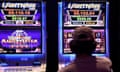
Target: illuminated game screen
point(89, 14)
point(99, 38)
point(20, 14)
point(20, 41)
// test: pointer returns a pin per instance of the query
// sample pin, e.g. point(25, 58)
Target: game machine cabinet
point(72, 14)
point(23, 36)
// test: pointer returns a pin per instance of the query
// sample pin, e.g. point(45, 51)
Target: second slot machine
point(82, 13)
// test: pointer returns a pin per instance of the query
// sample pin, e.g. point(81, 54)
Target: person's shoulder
point(67, 68)
point(104, 60)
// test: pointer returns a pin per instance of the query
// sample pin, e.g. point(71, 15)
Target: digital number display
point(83, 12)
point(80, 18)
point(18, 12)
point(19, 17)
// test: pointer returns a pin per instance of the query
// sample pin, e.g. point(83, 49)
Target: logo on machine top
point(82, 6)
point(19, 5)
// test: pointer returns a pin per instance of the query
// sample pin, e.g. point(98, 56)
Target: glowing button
point(3, 40)
point(35, 41)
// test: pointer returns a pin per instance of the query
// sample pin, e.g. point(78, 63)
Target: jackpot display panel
point(23, 35)
point(20, 14)
point(75, 14)
point(88, 14)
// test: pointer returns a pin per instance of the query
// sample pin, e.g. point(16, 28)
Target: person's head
point(83, 41)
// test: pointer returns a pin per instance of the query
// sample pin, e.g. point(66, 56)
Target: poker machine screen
point(88, 14)
point(20, 13)
point(23, 27)
point(91, 14)
point(99, 38)
point(20, 41)
point(23, 33)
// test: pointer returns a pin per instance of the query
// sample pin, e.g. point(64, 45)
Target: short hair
point(83, 32)
point(83, 40)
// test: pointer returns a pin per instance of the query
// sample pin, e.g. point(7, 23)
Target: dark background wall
point(114, 34)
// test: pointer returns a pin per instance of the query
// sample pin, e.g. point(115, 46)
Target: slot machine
point(72, 14)
point(22, 36)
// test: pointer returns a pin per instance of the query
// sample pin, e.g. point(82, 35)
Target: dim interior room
point(34, 34)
